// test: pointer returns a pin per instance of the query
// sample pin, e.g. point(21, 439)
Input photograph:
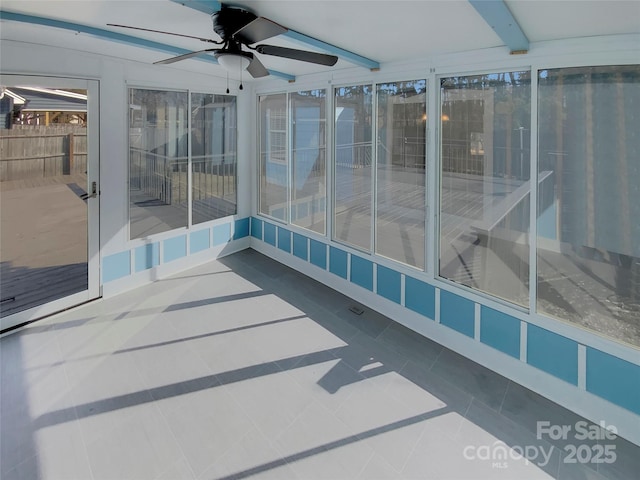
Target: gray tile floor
point(243, 368)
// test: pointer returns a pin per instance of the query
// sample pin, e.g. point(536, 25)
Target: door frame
point(93, 290)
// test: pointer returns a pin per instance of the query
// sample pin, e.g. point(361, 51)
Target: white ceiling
point(385, 31)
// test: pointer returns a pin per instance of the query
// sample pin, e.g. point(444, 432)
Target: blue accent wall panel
point(500, 331)
point(457, 312)
point(269, 233)
point(300, 246)
point(241, 228)
point(389, 284)
point(175, 248)
point(613, 379)
point(318, 254)
point(284, 239)
point(256, 228)
point(200, 239)
point(338, 262)
point(147, 256)
point(221, 234)
point(116, 266)
point(552, 353)
point(362, 272)
point(420, 297)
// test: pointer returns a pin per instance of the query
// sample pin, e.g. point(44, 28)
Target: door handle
point(94, 192)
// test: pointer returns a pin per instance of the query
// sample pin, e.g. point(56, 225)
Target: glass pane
point(484, 205)
point(43, 214)
point(353, 169)
point(213, 156)
point(400, 201)
point(308, 129)
point(589, 199)
point(158, 145)
point(274, 163)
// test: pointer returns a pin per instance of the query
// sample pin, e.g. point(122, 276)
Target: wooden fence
point(28, 151)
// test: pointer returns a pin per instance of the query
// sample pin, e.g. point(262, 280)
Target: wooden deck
point(43, 241)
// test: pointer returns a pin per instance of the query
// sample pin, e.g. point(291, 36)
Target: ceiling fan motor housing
point(228, 20)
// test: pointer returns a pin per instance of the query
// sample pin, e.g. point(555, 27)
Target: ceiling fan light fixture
point(233, 62)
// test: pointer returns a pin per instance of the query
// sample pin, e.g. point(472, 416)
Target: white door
point(49, 196)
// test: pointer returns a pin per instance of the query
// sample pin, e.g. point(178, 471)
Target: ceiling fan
point(238, 27)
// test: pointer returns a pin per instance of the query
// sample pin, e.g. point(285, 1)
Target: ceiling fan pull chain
point(227, 81)
point(241, 77)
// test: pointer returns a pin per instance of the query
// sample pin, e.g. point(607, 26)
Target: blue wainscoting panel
point(241, 228)
point(500, 331)
point(256, 227)
point(175, 248)
point(389, 284)
point(338, 262)
point(613, 379)
point(116, 266)
point(300, 246)
point(147, 256)
point(457, 312)
point(318, 254)
point(199, 240)
point(420, 297)
point(362, 272)
point(269, 233)
point(284, 239)
point(552, 353)
point(221, 234)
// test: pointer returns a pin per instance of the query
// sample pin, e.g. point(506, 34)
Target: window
point(308, 159)
point(158, 156)
point(213, 156)
point(160, 129)
point(274, 163)
point(484, 185)
point(588, 198)
point(400, 171)
point(353, 179)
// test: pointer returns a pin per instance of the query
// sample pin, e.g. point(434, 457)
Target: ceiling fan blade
point(259, 29)
point(302, 55)
point(256, 68)
point(208, 40)
point(183, 57)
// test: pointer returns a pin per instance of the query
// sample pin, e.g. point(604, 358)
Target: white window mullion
point(533, 195)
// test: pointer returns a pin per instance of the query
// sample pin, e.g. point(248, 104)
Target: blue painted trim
point(116, 266)
point(241, 228)
point(285, 76)
point(500, 331)
point(389, 284)
point(338, 262)
point(457, 312)
point(199, 241)
point(269, 233)
point(174, 248)
point(204, 6)
point(613, 379)
point(256, 228)
point(300, 249)
point(147, 256)
point(318, 254)
point(501, 20)
point(332, 49)
point(99, 32)
point(221, 234)
point(284, 239)
point(362, 272)
point(420, 297)
point(552, 353)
